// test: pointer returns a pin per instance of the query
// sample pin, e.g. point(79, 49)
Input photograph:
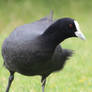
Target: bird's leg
point(11, 78)
point(43, 81)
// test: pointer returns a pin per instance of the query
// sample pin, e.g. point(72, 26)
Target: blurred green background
point(77, 73)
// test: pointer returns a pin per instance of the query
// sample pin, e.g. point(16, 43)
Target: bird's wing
point(66, 53)
point(30, 31)
point(61, 55)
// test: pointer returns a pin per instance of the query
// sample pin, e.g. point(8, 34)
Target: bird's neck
point(53, 35)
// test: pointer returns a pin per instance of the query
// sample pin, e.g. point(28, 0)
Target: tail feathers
point(50, 16)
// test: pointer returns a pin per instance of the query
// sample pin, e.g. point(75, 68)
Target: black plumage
point(34, 49)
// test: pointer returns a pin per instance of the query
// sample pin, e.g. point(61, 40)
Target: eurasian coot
point(34, 49)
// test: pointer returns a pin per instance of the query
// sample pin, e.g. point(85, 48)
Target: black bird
point(34, 49)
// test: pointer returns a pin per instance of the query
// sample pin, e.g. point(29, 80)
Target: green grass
point(77, 73)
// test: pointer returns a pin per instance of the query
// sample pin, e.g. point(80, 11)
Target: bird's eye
point(70, 25)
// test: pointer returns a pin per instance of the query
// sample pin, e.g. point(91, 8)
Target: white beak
point(78, 33)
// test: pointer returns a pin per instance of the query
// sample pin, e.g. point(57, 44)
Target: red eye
point(70, 25)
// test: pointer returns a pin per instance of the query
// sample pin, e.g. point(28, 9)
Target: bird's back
point(30, 31)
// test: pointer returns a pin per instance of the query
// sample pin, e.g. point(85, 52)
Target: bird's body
point(21, 50)
point(27, 53)
point(34, 49)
